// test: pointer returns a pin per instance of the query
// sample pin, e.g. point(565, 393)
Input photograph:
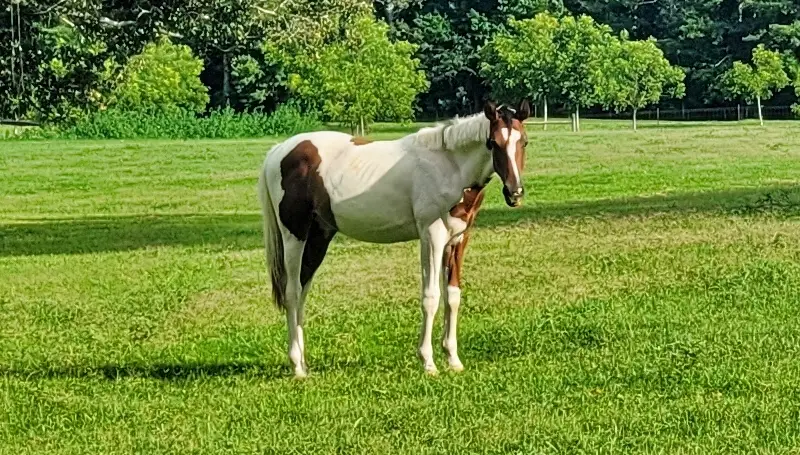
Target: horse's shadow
point(774, 199)
point(159, 371)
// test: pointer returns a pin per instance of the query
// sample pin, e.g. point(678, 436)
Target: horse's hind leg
point(314, 252)
point(293, 254)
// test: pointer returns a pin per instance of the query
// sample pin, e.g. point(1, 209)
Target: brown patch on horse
point(467, 210)
point(305, 198)
point(305, 209)
point(468, 207)
point(360, 140)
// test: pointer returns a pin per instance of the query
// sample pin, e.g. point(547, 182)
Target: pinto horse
point(426, 186)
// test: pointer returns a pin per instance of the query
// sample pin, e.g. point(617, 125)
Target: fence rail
point(740, 112)
point(18, 122)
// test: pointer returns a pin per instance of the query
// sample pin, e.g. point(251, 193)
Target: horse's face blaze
point(507, 142)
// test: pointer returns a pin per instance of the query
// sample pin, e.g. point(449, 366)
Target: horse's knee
point(453, 297)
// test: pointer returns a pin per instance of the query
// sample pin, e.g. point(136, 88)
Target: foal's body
point(425, 186)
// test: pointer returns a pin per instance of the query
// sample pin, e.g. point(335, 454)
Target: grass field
point(645, 299)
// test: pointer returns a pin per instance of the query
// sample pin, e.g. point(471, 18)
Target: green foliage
point(581, 46)
point(67, 46)
point(360, 79)
point(521, 63)
point(758, 81)
point(450, 36)
point(635, 74)
point(163, 77)
point(796, 106)
point(181, 124)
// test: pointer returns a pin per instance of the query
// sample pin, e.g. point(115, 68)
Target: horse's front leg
point(432, 245)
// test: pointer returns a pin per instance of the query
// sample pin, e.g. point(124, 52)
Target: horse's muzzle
point(513, 199)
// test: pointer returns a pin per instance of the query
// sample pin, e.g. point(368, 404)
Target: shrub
point(181, 124)
point(163, 77)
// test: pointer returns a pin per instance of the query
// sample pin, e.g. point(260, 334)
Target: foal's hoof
point(432, 371)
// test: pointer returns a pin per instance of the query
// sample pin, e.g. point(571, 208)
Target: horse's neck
point(474, 164)
point(464, 140)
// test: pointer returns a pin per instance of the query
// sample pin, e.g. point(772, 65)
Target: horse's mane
point(452, 134)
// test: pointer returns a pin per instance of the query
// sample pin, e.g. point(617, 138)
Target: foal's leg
point(455, 260)
point(432, 244)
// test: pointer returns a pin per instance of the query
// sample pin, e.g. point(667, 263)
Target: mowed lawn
point(645, 299)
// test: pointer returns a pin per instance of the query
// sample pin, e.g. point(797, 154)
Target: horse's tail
point(273, 239)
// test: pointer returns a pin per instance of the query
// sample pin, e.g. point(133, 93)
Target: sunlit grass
point(643, 300)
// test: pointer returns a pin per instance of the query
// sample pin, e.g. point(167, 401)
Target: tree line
point(359, 61)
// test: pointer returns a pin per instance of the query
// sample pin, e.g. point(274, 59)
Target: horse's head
point(506, 142)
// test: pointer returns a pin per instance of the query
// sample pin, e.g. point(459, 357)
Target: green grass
point(645, 299)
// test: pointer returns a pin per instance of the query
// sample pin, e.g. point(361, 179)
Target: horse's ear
point(490, 110)
point(524, 111)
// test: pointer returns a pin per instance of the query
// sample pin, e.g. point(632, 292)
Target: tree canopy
point(635, 74)
point(59, 59)
point(521, 62)
point(360, 78)
point(759, 81)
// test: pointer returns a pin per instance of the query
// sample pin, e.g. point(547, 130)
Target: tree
point(582, 44)
point(164, 76)
point(635, 74)
point(759, 81)
point(521, 63)
point(361, 78)
point(450, 35)
point(796, 84)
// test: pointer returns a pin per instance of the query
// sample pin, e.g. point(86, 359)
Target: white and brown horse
point(427, 186)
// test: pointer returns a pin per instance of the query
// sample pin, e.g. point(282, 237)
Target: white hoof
point(456, 365)
point(300, 373)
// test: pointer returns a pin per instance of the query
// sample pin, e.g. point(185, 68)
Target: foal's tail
point(273, 240)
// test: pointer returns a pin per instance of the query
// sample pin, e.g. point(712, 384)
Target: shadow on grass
point(779, 199)
point(166, 372)
point(123, 233)
point(243, 231)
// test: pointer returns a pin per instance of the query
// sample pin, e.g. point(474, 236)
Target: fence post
point(658, 116)
point(738, 112)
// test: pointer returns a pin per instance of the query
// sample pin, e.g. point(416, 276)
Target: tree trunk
point(363, 133)
point(577, 118)
point(226, 80)
point(545, 113)
point(760, 117)
point(634, 118)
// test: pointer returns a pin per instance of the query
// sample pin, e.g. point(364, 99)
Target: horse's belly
point(388, 223)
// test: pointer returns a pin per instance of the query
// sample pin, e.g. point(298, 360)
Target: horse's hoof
point(432, 371)
point(300, 374)
point(457, 367)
